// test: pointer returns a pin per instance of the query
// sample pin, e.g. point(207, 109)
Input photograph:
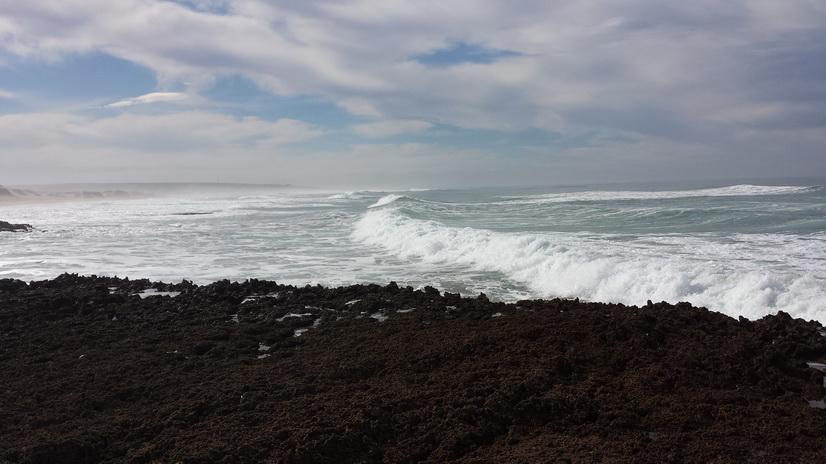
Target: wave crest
point(734, 190)
point(596, 267)
point(386, 200)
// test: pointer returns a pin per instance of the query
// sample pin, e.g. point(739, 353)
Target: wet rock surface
point(102, 370)
point(9, 227)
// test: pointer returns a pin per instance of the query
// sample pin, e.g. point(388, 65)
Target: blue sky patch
point(81, 77)
point(482, 139)
point(240, 97)
point(218, 7)
point(463, 53)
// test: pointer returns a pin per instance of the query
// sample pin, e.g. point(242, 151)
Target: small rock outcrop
point(9, 227)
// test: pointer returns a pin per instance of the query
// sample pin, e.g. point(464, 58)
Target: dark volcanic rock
point(262, 372)
point(8, 227)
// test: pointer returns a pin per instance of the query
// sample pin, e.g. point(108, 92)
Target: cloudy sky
point(393, 93)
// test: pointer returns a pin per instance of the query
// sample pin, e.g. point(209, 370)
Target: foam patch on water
point(299, 332)
point(282, 318)
point(379, 316)
point(819, 366)
point(751, 275)
point(818, 404)
point(153, 292)
point(735, 190)
point(252, 298)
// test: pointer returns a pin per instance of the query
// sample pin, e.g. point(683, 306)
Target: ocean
point(743, 249)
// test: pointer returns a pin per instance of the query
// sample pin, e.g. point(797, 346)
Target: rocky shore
point(9, 227)
point(114, 370)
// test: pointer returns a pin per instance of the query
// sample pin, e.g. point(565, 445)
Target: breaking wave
point(735, 190)
point(746, 274)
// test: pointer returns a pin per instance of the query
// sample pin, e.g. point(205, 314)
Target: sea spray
point(736, 274)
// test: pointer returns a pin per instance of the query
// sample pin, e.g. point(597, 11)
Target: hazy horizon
point(384, 94)
point(199, 188)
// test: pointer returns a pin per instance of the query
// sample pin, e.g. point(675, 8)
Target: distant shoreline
point(84, 192)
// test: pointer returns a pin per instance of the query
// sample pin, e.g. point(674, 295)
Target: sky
point(411, 94)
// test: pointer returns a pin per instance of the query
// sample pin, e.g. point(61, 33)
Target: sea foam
point(732, 191)
point(386, 200)
point(752, 276)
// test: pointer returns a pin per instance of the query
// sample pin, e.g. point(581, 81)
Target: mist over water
point(742, 249)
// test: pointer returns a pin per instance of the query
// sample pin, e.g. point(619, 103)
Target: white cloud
point(390, 128)
point(198, 146)
point(759, 112)
point(186, 146)
point(154, 97)
point(694, 75)
point(7, 95)
point(359, 107)
point(190, 131)
point(577, 55)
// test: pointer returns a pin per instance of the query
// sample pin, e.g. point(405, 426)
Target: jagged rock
point(8, 227)
point(262, 372)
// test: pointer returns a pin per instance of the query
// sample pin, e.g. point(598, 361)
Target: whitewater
point(744, 249)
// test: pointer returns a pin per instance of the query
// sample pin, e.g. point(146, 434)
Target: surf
point(741, 274)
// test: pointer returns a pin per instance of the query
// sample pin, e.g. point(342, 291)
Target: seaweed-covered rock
point(95, 369)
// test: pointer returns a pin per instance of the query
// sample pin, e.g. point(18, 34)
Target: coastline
point(18, 197)
point(99, 368)
point(89, 192)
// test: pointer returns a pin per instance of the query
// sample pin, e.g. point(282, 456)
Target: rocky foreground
point(93, 370)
